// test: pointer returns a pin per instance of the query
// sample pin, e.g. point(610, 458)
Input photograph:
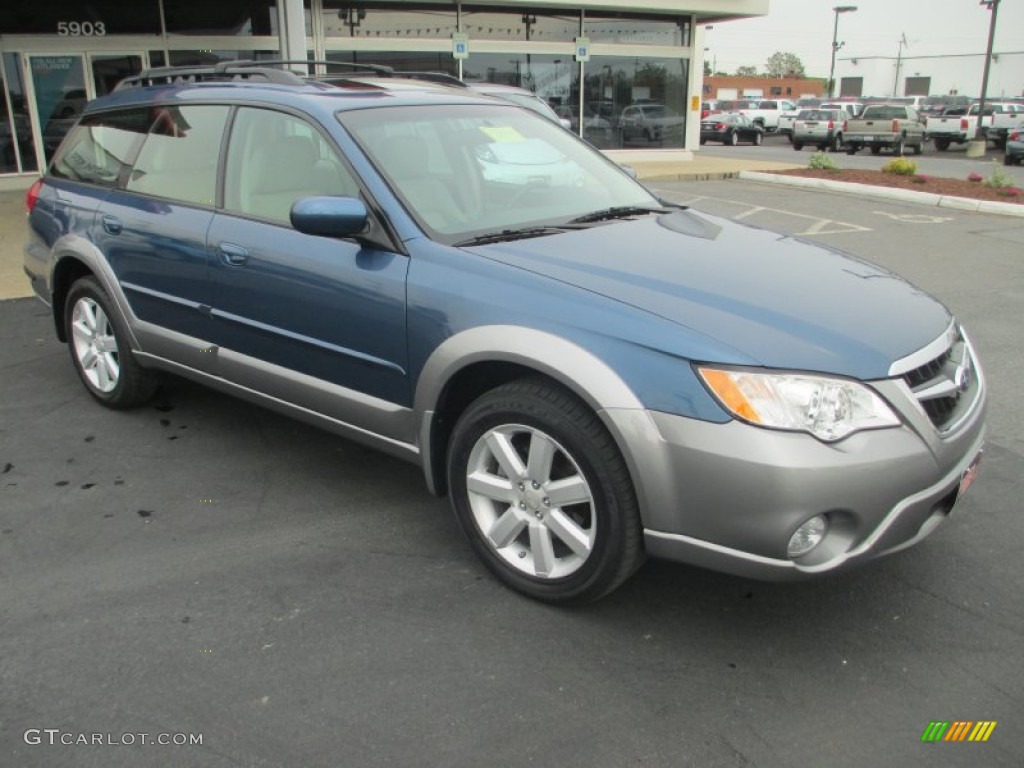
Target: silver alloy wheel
point(530, 501)
point(95, 345)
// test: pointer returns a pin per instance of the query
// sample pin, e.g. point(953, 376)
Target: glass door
point(59, 95)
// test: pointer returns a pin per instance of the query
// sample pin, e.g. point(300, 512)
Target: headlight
point(830, 409)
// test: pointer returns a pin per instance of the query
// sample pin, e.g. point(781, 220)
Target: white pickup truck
point(766, 112)
point(953, 126)
point(1005, 123)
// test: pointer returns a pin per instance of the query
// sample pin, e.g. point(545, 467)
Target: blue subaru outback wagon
point(591, 374)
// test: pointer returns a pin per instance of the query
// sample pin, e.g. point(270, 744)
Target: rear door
point(153, 230)
point(295, 315)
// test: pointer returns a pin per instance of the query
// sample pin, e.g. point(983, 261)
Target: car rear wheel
point(899, 146)
point(837, 143)
point(942, 144)
point(798, 145)
point(541, 490)
point(734, 139)
point(99, 348)
point(919, 148)
point(758, 138)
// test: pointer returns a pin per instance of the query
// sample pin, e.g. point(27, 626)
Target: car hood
point(766, 299)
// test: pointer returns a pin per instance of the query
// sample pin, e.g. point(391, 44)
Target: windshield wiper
point(505, 235)
point(615, 212)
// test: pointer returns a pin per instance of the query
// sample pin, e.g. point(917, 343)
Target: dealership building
point(589, 59)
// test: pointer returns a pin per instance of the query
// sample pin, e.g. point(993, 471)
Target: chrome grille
point(947, 385)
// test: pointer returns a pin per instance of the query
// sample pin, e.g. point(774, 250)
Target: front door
point(332, 311)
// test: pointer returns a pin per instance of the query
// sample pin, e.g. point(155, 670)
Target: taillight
point(963, 123)
point(844, 126)
point(831, 125)
point(895, 126)
point(32, 196)
point(1015, 136)
point(720, 127)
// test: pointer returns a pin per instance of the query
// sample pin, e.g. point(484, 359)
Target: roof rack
point(274, 71)
point(270, 71)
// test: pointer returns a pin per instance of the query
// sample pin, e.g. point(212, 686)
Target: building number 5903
point(81, 29)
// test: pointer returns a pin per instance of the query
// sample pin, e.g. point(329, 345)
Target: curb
point(887, 193)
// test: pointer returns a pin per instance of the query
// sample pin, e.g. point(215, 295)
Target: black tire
point(837, 143)
point(919, 147)
point(514, 415)
point(91, 324)
point(734, 139)
point(876, 149)
point(798, 145)
point(758, 138)
point(899, 146)
point(852, 149)
point(703, 141)
point(941, 144)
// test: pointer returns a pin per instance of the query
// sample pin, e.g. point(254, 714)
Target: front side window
point(275, 159)
point(101, 148)
point(179, 157)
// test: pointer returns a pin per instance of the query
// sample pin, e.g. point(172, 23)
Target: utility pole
point(899, 61)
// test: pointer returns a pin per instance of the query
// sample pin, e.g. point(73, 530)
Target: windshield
point(466, 170)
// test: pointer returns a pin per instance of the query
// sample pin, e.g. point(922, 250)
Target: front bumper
point(729, 496)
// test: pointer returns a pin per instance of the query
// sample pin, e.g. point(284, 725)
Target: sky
point(804, 27)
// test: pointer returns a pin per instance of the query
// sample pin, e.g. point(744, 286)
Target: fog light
point(807, 536)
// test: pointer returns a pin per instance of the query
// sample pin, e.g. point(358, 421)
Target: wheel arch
point(477, 360)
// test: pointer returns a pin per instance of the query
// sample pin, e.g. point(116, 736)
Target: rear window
point(101, 149)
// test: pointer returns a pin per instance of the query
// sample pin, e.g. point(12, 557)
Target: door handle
point(232, 255)
point(112, 225)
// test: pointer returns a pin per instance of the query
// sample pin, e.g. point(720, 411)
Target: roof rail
point(271, 70)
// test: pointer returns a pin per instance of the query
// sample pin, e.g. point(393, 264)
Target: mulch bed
point(975, 190)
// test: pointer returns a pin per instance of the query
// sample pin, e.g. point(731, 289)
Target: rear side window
point(101, 148)
point(179, 157)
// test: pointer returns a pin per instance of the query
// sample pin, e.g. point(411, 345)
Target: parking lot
point(202, 566)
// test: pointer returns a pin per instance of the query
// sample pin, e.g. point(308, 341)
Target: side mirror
point(330, 216)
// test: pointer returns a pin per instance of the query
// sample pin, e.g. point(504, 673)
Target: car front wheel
point(100, 351)
point(758, 138)
point(541, 490)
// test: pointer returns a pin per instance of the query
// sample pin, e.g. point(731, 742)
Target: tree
point(746, 71)
point(784, 65)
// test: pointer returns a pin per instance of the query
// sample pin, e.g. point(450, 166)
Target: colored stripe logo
point(958, 730)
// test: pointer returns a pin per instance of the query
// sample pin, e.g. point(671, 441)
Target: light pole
point(836, 45)
point(979, 133)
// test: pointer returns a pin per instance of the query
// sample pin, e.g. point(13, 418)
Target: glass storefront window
point(555, 79)
point(22, 146)
point(528, 24)
point(73, 18)
point(634, 29)
point(59, 85)
point(224, 17)
point(642, 100)
point(209, 58)
point(400, 61)
point(346, 19)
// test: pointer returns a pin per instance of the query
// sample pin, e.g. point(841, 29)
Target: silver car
point(821, 127)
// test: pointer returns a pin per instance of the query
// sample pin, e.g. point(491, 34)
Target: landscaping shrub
point(974, 177)
point(999, 178)
point(822, 162)
point(900, 166)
